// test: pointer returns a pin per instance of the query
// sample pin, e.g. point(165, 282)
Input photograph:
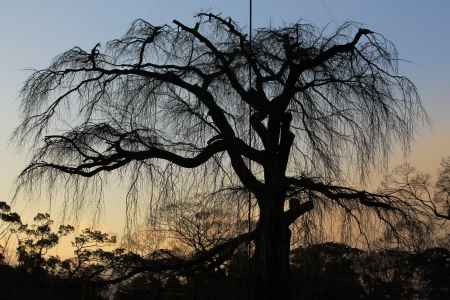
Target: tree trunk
point(272, 257)
point(273, 241)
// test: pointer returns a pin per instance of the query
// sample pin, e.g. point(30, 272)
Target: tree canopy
point(180, 95)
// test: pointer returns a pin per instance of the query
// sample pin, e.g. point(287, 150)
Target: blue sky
point(33, 32)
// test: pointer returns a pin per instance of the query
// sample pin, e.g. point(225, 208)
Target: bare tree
point(442, 188)
point(419, 190)
point(167, 107)
point(423, 194)
point(200, 226)
point(144, 239)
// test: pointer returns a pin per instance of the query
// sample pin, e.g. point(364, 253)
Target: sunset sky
point(33, 32)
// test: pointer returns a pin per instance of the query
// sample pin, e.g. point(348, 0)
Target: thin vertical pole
point(249, 216)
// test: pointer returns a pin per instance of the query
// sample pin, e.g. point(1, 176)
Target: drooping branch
point(335, 50)
point(119, 160)
point(338, 193)
point(310, 63)
point(98, 163)
point(380, 213)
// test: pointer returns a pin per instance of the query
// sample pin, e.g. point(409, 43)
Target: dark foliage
point(320, 271)
point(17, 283)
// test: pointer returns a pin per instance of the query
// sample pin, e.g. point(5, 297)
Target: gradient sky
point(33, 32)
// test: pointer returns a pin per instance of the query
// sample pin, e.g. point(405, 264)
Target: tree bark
point(272, 250)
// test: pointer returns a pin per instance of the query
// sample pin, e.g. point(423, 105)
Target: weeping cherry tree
point(204, 110)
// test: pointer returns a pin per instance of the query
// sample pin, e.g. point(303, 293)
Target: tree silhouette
point(167, 107)
point(442, 195)
point(417, 187)
point(198, 226)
